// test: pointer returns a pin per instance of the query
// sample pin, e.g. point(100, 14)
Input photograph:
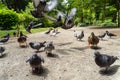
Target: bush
point(8, 18)
point(108, 24)
point(25, 19)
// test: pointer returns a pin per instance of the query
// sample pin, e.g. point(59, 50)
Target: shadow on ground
point(44, 72)
point(111, 71)
point(3, 55)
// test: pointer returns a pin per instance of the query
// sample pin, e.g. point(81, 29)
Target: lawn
point(4, 32)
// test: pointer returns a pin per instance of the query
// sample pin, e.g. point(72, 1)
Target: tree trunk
point(119, 18)
point(114, 17)
point(104, 11)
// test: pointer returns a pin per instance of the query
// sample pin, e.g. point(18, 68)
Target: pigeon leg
point(107, 68)
point(1, 54)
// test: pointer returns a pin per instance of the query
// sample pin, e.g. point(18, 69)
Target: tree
point(17, 5)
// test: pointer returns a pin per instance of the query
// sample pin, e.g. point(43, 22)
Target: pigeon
point(54, 33)
point(2, 49)
point(37, 45)
point(35, 62)
point(104, 60)
point(101, 36)
point(49, 47)
point(80, 36)
point(14, 34)
point(49, 31)
point(68, 19)
point(32, 25)
point(75, 33)
point(22, 39)
point(43, 6)
point(110, 34)
point(5, 38)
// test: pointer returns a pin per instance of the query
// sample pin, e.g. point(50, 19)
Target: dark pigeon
point(14, 34)
point(32, 25)
point(2, 49)
point(104, 60)
point(5, 39)
point(43, 6)
point(47, 32)
point(110, 34)
point(37, 45)
point(101, 36)
point(35, 62)
point(80, 36)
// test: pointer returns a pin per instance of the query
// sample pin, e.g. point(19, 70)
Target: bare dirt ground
point(74, 62)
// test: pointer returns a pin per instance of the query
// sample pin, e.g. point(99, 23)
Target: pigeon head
point(107, 32)
point(34, 56)
point(31, 43)
point(116, 58)
point(82, 31)
point(92, 34)
point(96, 53)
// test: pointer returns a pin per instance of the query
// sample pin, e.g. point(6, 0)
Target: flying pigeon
point(110, 34)
point(43, 6)
point(32, 25)
point(104, 60)
point(35, 62)
point(68, 19)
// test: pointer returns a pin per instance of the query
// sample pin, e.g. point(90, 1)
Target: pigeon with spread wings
point(42, 6)
point(67, 23)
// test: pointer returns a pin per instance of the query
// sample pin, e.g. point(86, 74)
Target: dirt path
point(75, 62)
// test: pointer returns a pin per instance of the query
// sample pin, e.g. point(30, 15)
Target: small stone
point(26, 74)
point(59, 77)
point(65, 70)
point(11, 75)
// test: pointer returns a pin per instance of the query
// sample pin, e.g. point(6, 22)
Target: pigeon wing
point(51, 5)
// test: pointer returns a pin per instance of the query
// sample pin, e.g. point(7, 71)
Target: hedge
point(8, 18)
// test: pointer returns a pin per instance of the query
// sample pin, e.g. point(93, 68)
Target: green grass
point(4, 32)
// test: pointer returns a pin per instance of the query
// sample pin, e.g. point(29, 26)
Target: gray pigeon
point(101, 36)
point(2, 49)
point(49, 47)
point(104, 60)
point(32, 25)
point(35, 62)
point(37, 45)
point(43, 6)
point(5, 38)
point(80, 36)
point(110, 34)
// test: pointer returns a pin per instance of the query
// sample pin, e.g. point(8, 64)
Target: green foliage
point(8, 18)
point(4, 32)
point(2, 6)
point(25, 19)
point(46, 22)
point(17, 5)
point(108, 24)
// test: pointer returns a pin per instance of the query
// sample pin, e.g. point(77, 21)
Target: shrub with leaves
point(8, 18)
